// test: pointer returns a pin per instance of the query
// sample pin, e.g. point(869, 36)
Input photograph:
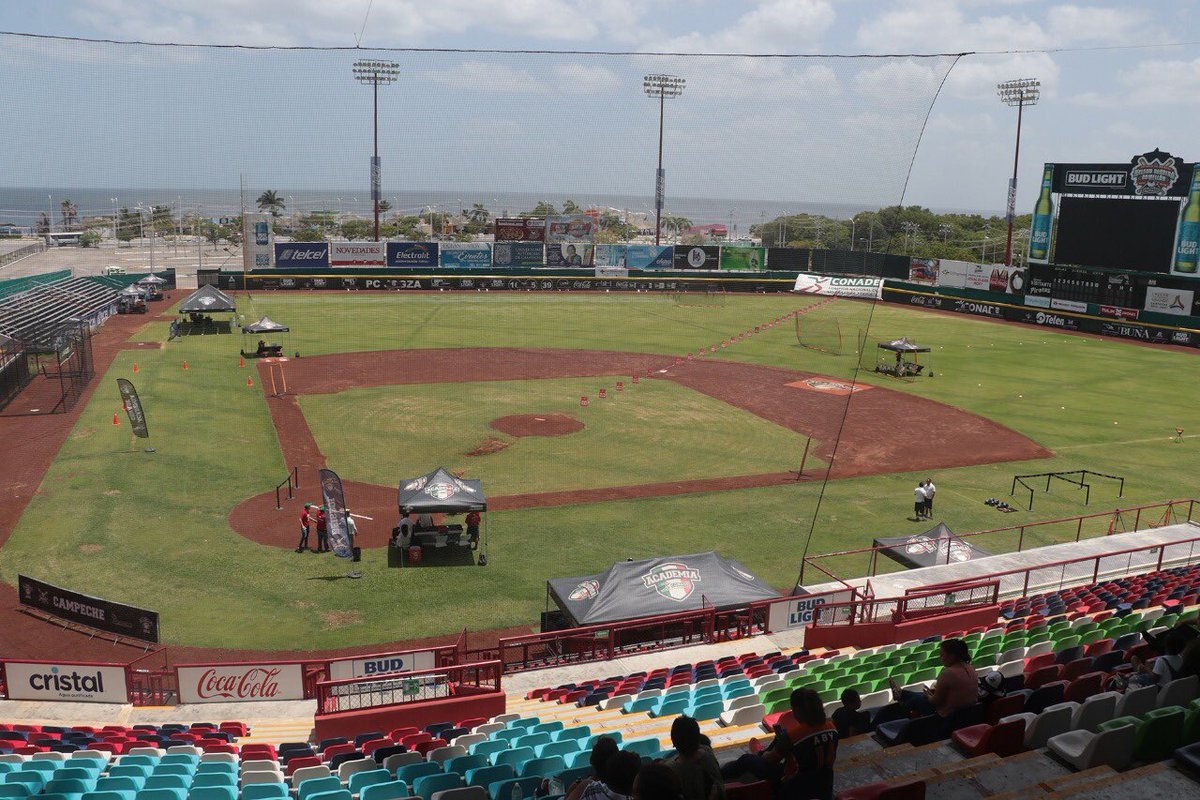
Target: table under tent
point(265, 328)
point(131, 300)
point(153, 285)
point(901, 358)
point(441, 492)
point(196, 312)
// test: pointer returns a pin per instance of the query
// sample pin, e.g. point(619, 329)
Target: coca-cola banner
point(240, 683)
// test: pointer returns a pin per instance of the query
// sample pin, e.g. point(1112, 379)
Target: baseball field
point(697, 454)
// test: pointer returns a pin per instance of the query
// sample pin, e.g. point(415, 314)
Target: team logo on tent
point(674, 581)
point(587, 590)
point(441, 490)
point(919, 544)
point(415, 486)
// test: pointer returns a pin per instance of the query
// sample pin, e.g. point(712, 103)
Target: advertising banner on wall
point(1169, 301)
point(706, 257)
point(95, 612)
point(799, 611)
point(518, 254)
point(302, 254)
point(838, 286)
point(634, 256)
point(789, 258)
point(358, 254)
point(465, 255)
point(923, 270)
point(412, 254)
point(380, 665)
point(1039, 286)
point(240, 683)
point(259, 238)
point(568, 254)
point(1152, 174)
point(571, 228)
point(54, 681)
point(520, 229)
point(744, 259)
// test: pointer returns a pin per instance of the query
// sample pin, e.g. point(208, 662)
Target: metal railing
point(920, 604)
point(352, 694)
point(292, 482)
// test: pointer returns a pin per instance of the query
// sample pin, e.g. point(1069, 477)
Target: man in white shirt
point(919, 502)
point(930, 489)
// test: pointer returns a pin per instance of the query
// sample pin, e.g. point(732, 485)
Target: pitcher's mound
point(536, 424)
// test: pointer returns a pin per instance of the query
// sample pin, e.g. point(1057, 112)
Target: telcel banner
point(386, 664)
point(57, 681)
point(302, 254)
point(240, 683)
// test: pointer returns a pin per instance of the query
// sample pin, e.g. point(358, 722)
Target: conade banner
point(412, 254)
point(518, 254)
point(240, 683)
point(95, 612)
point(838, 286)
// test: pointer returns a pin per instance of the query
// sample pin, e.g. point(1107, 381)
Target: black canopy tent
point(200, 304)
point(264, 326)
point(131, 300)
point(899, 357)
point(653, 586)
point(938, 545)
point(443, 492)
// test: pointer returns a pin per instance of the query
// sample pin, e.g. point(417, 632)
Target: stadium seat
point(390, 790)
point(306, 789)
point(886, 790)
point(397, 760)
point(360, 780)
point(462, 793)
point(426, 786)
point(504, 790)
point(486, 776)
point(212, 793)
point(1004, 739)
point(264, 791)
point(542, 767)
point(1112, 745)
point(410, 773)
point(1159, 734)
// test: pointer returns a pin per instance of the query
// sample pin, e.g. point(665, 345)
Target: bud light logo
point(384, 666)
point(302, 254)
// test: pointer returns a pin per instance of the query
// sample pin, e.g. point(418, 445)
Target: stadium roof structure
point(654, 586)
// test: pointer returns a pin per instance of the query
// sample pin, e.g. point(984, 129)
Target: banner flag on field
point(335, 514)
point(133, 407)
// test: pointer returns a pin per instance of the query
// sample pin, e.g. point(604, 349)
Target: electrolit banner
point(465, 255)
point(412, 254)
point(302, 254)
point(385, 664)
point(568, 254)
point(635, 256)
point(518, 254)
point(358, 254)
point(744, 259)
point(1187, 232)
point(65, 681)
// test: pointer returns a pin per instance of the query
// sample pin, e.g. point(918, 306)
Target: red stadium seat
point(1042, 676)
point(397, 734)
point(1005, 739)
point(884, 790)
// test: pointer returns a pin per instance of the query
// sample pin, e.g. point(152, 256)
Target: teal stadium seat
point(409, 773)
point(649, 746)
point(489, 748)
point(360, 780)
point(427, 786)
point(514, 758)
point(562, 748)
point(572, 734)
point(486, 776)
point(313, 786)
point(392, 790)
point(543, 767)
point(267, 791)
point(212, 793)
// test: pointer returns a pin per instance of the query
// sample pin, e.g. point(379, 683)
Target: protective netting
point(182, 126)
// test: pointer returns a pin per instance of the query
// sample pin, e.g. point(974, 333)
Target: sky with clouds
point(1117, 79)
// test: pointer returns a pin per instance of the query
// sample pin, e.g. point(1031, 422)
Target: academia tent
point(443, 492)
point(653, 586)
point(938, 545)
point(207, 300)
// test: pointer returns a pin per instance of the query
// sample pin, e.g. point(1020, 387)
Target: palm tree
point(478, 213)
point(384, 207)
point(70, 213)
point(271, 201)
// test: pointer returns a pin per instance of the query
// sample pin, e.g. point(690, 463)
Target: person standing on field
point(306, 522)
point(930, 489)
point(322, 531)
point(919, 498)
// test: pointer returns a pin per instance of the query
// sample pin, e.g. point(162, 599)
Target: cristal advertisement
point(64, 681)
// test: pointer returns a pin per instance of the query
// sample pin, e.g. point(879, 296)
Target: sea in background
point(23, 206)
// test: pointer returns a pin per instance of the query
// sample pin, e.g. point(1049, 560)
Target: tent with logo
point(652, 586)
point(267, 329)
point(198, 308)
point(938, 545)
point(443, 492)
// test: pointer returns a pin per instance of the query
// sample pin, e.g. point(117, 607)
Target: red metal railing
point(1171, 511)
point(352, 694)
point(918, 605)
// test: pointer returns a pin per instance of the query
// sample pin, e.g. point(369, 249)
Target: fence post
point(278, 507)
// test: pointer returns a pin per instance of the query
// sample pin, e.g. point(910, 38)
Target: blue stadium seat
point(392, 790)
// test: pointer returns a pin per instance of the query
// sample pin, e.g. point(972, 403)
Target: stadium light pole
point(1020, 93)
point(375, 72)
point(663, 87)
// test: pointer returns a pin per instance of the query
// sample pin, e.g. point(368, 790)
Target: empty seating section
point(33, 315)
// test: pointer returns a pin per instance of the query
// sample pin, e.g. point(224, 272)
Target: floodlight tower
point(1020, 93)
point(375, 72)
point(663, 87)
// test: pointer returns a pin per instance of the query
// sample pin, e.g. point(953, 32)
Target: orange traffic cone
point(241, 361)
point(249, 381)
point(135, 366)
point(185, 365)
point(116, 419)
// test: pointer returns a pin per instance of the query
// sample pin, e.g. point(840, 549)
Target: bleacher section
point(34, 316)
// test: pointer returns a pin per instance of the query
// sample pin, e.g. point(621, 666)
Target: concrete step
point(1020, 773)
point(1162, 780)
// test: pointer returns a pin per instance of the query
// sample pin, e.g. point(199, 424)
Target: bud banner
point(133, 407)
point(335, 514)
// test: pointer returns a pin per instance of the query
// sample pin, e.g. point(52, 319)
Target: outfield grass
point(151, 528)
point(384, 433)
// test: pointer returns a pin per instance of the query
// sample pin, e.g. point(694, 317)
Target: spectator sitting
point(850, 719)
point(604, 749)
point(799, 760)
point(658, 782)
point(699, 775)
point(957, 685)
point(619, 773)
point(425, 522)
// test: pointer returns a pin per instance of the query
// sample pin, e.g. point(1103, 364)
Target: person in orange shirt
point(799, 760)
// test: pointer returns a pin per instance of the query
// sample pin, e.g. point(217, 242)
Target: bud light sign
point(302, 254)
point(384, 664)
point(240, 683)
point(412, 254)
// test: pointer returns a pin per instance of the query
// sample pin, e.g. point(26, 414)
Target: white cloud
point(484, 76)
point(585, 79)
point(1160, 82)
point(1075, 24)
point(775, 26)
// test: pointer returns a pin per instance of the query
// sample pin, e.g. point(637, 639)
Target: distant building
point(716, 230)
